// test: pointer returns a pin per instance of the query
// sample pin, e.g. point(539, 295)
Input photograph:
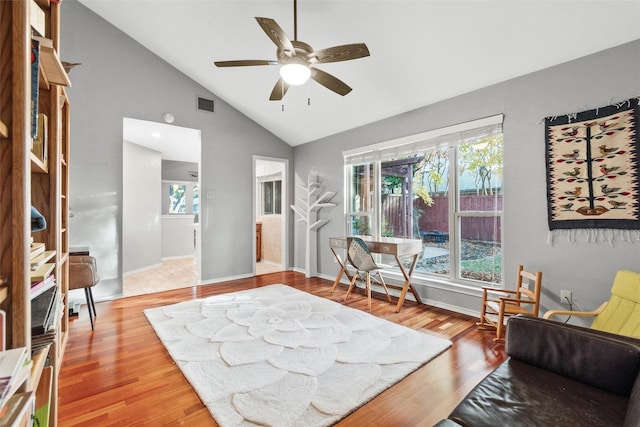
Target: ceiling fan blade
point(244, 63)
point(276, 34)
point(279, 90)
point(330, 82)
point(342, 53)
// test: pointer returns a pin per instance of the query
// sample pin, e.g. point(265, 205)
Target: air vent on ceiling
point(205, 104)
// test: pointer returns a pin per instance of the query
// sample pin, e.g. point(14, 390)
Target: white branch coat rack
point(307, 211)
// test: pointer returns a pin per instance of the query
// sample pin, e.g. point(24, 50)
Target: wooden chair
point(500, 304)
point(360, 258)
point(621, 314)
point(83, 274)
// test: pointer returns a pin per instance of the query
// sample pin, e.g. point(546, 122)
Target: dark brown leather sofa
point(557, 375)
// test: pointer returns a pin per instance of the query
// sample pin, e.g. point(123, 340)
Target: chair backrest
point(83, 271)
point(358, 254)
point(622, 313)
point(532, 292)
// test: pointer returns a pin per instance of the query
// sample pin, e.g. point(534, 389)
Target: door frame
point(284, 208)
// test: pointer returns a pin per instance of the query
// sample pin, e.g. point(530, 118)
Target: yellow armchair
point(621, 314)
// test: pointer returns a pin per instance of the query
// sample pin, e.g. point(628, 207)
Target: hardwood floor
point(120, 374)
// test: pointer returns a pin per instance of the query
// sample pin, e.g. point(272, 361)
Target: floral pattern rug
point(277, 356)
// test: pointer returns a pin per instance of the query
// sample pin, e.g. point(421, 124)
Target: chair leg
point(353, 281)
point(384, 285)
point(483, 312)
point(87, 294)
point(93, 303)
point(369, 289)
point(500, 324)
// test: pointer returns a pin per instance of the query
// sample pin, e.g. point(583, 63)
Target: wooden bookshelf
point(33, 182)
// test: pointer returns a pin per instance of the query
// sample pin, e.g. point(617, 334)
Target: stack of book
point(41, 269)
point(15, 367)
point(46, 312)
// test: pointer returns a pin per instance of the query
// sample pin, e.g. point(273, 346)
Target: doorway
point(270, 209)
point(160, 209)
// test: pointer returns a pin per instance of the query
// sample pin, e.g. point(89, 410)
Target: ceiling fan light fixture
point(295, 74)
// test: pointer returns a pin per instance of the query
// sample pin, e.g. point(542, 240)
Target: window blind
point(412, 144)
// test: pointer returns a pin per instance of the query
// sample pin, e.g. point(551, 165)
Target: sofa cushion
point(599, 359)
point(519, 394)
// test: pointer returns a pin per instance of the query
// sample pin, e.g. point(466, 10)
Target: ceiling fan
point(298, 59)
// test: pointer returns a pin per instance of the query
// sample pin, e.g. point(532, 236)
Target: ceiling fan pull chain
point(308, 92)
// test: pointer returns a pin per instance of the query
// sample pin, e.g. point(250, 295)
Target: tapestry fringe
point(573, 116)
point(594, 235)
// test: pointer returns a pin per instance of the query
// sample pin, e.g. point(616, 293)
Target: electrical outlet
point(565, 297)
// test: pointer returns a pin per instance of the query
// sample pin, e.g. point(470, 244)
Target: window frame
point(276, 199)
point(436, 139)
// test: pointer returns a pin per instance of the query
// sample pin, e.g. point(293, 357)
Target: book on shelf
point(18, 410)
point(22, 375)
point(15, 367)
point(35, 75)
point(37, 248)
point(40, 259)
point(38, 288)
point(42, 272)
point(45, 339)
point(42, 311)
point(41, 140)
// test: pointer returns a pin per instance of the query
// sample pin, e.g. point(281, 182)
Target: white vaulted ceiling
point(421, 51)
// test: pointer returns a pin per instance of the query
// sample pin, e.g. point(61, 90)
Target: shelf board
point(39, 360)
point(38, 165)
point(52, 68)
point(64, 337)
point(4, 130)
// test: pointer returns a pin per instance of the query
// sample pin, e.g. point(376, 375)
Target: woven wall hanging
point(593, 173)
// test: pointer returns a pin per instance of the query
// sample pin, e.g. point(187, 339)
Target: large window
point(443, 187)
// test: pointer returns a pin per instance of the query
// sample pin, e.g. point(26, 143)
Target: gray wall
point(586, 269)
point(119, 78)
point(141, 248)
point(179, 171)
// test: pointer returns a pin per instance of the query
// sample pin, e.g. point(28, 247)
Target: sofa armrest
point(633, 409)
point(607, 361)
point(549, 314)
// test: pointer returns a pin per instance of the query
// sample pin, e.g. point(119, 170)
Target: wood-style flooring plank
point(121, 374)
